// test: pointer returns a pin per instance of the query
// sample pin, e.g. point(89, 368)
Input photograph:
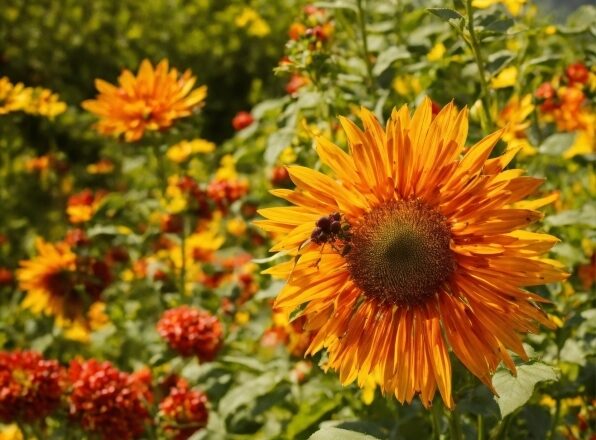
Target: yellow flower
point(181, 151)
point(11, 432)
point(514, 121)
point(236, 227)
point(227, 168)
point(437, 52)
point(252, 21)
point(288, 156)
point(513, 6)
point(407, 85)
point(150, 101)
point(47, 278)
point(45, 103)
point(13, 97)
point(506, 78)
point(103, 166)
point(368, 390)
point(411, 248)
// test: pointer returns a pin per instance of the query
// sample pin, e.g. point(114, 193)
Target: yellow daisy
point(150, 101)
point(411, 248)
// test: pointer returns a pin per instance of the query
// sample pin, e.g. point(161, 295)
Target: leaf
point(276, 143)
point(339, 434)
point(445, 14)
point(387, 57)
point(498, 60)
point(309, 413)
point(338, 4)
point(556, 144)
point(516, 391)
point(248, 393)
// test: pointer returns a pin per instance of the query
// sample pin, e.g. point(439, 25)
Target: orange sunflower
point(411, 248)
point(60, 283)
point(150, 101)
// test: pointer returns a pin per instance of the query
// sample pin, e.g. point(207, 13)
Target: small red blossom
point(280, 176)
point(577, 73)
point(191, 331)
point(76, 237)
point(242, 120)
point(183, 412)
point(172, 223)
point(225, 192)
point(6, 276)
point(30, 386)
point(108, 401)
point(295, 83)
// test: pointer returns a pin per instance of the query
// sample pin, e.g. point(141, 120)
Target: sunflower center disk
point(400, 253)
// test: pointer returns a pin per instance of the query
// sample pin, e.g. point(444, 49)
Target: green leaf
point(387, 57)
point(276, 143)
point(445, 14)
point(309, 413)
point(498, 60)
point(339, 434)
point(248, 392)
point(338, 4)
point(556, 144)
point(516, 391)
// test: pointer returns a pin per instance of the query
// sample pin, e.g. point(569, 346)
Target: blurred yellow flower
point(103, 166)
point(227, 168)
point(288, 156)
point(514, 119)
point(506, 78)
point(236, 226)
point(550, 30)
point(368, 390)
point(252, 21)
point(11, 432)
point(513, 6)
point(181, 151)
point(437, 52)
point(241, 318)
point(407, 85)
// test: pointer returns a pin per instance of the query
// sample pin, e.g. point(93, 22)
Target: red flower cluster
point(199, 204)
point(108, 401)
point(191, 331)
point(30, 386)
point(6, 276)
point(225, 192)
point(242, 120)
point(184, 411)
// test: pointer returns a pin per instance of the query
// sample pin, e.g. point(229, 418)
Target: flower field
point(348, 219)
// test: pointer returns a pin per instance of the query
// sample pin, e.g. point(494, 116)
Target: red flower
point(280, 176)
point(191, 331)
point(295, 83)
point(108, 401)
point(6, 276)
point(184, 411)
point(242, 120)
point(577, 73)
point(76, 237)
point(225, 192)
point(30, 386)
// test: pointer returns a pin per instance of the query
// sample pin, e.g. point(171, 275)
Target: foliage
point(172, 222)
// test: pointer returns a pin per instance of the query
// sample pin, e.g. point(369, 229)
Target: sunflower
point(59, 283)
point(150, 101)
point(412, 248)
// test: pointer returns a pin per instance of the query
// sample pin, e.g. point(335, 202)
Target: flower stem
point(362, 22)
point(455, 426)
point(183, 234)
point(435, 415)
point(480, 427)
point(475, 47)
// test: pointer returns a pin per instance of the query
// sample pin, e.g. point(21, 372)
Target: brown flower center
point(400, 252)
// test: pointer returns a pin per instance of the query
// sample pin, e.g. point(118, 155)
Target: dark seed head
point(400, 252)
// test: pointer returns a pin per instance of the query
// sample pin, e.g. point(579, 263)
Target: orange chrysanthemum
point(150, 101)
point(411, 249)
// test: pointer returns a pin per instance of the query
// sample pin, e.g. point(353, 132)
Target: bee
point(329, 229)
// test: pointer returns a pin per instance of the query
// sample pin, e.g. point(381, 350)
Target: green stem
point(480, 427)
point(455, 426)
point(362, 22)
point(183, 251)
point(475, 47)
point(553, 428)
point(435, 414)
